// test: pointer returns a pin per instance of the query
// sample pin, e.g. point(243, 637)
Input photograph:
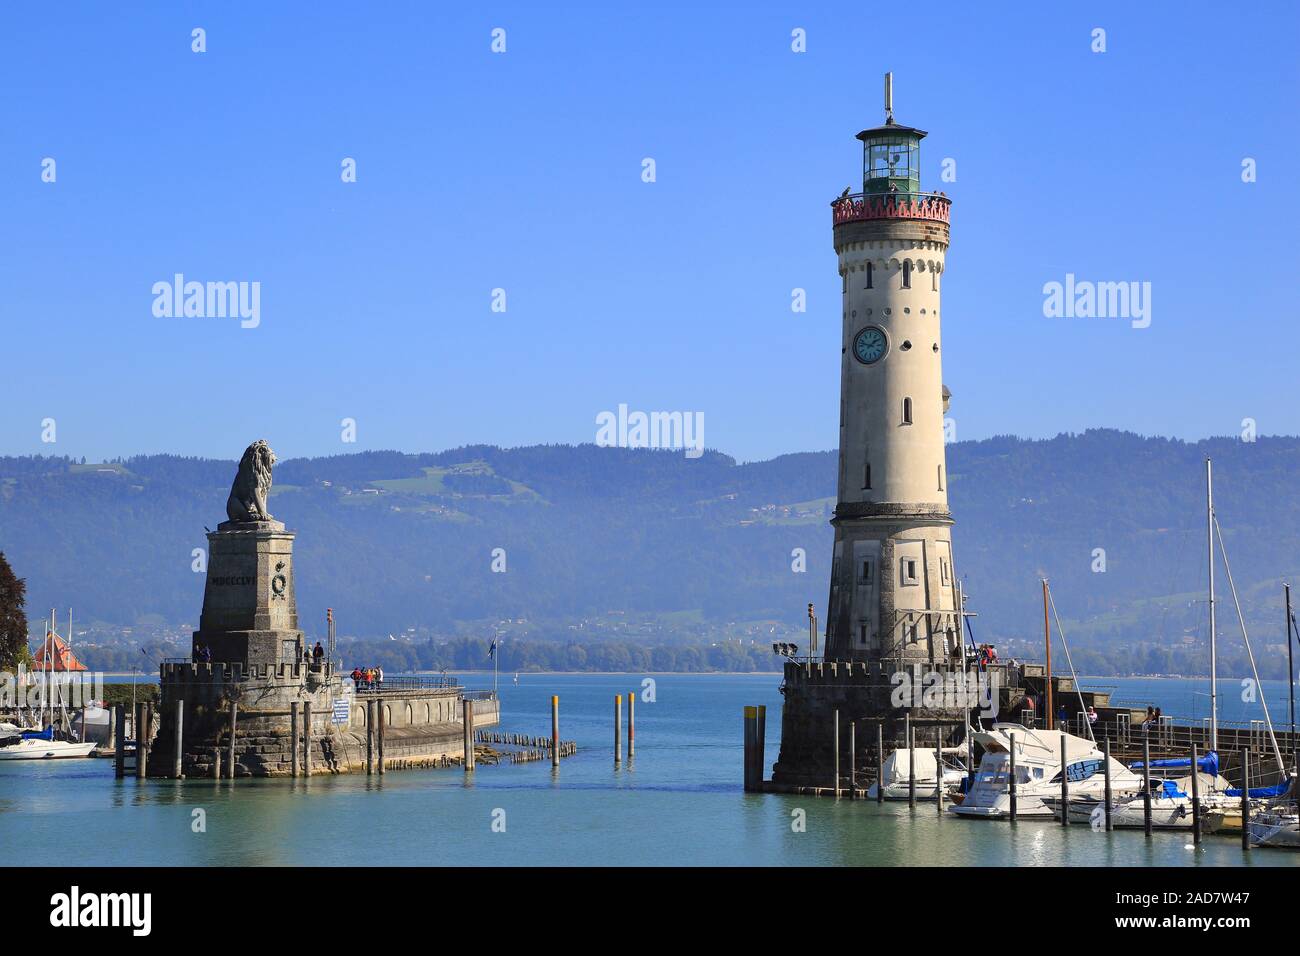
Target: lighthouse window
point(907, 569)
point(868, 285)
point(907, 273)
point(941, 477)
point(866, 477)
point(863, 631)
point(907, 411)
point(866, 572)
point(943, 570)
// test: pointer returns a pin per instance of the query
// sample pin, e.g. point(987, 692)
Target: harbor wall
point(421, 725)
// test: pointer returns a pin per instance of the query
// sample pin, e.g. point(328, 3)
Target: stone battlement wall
point(860, 692)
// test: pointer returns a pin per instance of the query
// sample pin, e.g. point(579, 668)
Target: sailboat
point(42, 743)
point(1171, 801)
point(1231, 799)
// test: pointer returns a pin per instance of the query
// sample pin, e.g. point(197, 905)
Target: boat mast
point(1214, 651)
point(49, 669)
point(1047, 641)
point(1241, 619)
point(1290, 666)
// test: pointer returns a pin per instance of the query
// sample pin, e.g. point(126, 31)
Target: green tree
point(13, 619)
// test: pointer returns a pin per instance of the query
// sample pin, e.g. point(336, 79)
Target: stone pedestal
point(250, 612)
point(249, 650)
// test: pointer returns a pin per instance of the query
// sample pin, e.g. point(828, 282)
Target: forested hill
point(394, 541)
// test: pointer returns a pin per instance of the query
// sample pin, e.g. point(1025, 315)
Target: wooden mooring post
point(1196, 798)
point(970, 759)
point(119, 754)
point(1011, 738)
point(1245, 799)
point(178, 768)
point(140, 757)
point(555, 731)
point(306, 739)
point(295, 735)
point(1146, 784)
point(1065, 787)
point(381, 730)
point(467, 718)
point(618, 730)
point(631, 725)
point(938, 770)
point(751, 745)
point(880, 762)
point(1105, 750)
point(370, 737)
point(234, 722)
point(760, 744)
point(853, 760)
point(835, 748)
point(216, 763)
point(911, 764)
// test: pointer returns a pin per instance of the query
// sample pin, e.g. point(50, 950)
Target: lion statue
point(247, 501)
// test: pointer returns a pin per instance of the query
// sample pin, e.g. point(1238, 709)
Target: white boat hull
point(1129, 814)
point(1271, 830)
point(46, 750)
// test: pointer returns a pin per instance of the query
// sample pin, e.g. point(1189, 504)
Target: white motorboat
point(1171, 807)
point(18, 744)
point(924, 769)
point(1038, 772)
point(1275, 828)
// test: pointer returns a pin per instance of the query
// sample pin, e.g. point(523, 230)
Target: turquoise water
point(677, 802)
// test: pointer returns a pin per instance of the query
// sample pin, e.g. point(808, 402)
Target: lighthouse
point(893, 593)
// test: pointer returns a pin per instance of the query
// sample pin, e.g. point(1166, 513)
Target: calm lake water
point(677, 802)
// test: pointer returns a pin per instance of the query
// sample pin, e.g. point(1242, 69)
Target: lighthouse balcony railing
point(858, 207)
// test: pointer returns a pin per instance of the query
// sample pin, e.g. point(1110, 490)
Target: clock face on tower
point(870, 345)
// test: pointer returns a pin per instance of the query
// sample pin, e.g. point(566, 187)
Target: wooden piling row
point(566, 748)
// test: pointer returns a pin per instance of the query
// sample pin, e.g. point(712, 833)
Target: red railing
point(860, 206)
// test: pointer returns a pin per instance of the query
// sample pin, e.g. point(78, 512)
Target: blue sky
point(522, 171)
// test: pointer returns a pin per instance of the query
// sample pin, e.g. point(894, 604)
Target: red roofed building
point(63, 658)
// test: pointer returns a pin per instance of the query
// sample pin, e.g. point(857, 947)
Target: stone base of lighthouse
point(821, 695)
